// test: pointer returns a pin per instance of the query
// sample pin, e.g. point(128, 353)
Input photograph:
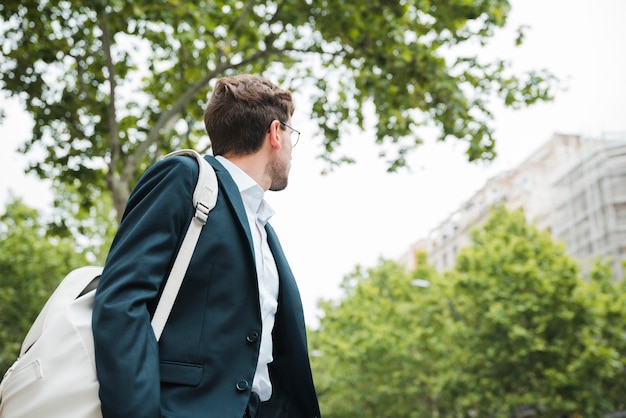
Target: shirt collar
point(251, 193)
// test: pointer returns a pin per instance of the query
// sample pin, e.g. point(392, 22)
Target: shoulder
point(175, 162)
point(176, 170)
point(171, 180)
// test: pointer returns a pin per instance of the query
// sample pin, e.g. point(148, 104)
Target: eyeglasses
point(293, 143)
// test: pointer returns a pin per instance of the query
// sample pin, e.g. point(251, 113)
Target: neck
point(253, 166)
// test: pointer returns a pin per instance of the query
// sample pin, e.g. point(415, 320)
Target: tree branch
point(112, 114)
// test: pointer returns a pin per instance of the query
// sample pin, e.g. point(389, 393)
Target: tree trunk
point(120, 191)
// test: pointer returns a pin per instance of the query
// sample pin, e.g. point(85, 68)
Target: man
point(234, 344)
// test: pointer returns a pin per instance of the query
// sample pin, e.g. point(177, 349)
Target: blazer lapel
point(289, 301)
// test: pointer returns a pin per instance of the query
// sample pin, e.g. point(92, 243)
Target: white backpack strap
point(204, 199)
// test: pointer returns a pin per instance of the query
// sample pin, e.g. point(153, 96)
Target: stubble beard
point(279, 173)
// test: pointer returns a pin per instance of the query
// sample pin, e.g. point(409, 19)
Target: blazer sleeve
point(157, 215)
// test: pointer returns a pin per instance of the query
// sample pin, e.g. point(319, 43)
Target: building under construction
point(572, 186)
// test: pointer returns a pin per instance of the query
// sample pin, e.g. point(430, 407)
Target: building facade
point(572, 186)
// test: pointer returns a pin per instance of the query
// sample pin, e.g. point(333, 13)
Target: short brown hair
point(240, 111)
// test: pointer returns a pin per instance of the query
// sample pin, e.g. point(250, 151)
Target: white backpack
point(55, 373)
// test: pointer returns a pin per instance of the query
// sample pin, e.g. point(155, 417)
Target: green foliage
point(603, 363)
point(31, 266)
point(529, 328)
point(92, 223)
point(513, 330)
point(375, 347)
point(114, 85)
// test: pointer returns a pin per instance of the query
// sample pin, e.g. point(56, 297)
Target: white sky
point(329, 224)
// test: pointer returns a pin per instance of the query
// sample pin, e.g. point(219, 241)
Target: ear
point(274, 135)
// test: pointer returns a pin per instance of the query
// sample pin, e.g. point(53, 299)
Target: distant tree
point(92, 224)
point(512, 331)
point(532, 336)
point(603, 364)
point(376, 350)
point(31, 266)
point(113, 85)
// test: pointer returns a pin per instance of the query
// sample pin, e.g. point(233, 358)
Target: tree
point(91, 226)
point(532, 337)
point(376, 351)
point(31, 266)
point(112, 85)
point(512, 331)
point(603, 364)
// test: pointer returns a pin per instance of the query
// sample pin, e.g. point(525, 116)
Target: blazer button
point(252, 337)
point(242, 385)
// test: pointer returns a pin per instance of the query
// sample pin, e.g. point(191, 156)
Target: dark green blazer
point(204, 364)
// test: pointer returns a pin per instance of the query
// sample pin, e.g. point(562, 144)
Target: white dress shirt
point(259, 212)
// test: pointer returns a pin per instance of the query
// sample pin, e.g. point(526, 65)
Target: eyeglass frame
point(293, 144)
